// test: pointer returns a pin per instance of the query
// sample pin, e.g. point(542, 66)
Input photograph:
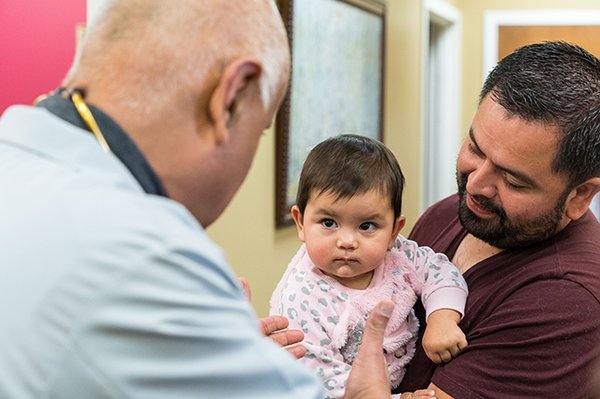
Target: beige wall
point(246, 231)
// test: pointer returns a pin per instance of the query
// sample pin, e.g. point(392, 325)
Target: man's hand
point(419, 394)
point(369, 375)
point(274, 327)
point(443, 339)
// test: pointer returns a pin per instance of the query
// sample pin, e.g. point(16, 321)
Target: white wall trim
point(450, 17)
point(493, 19)
point(443, 10)
point(596, 206)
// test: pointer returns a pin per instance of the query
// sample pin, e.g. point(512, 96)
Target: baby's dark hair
point(347, 165)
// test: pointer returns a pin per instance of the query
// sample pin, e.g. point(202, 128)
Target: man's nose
point(483, 180)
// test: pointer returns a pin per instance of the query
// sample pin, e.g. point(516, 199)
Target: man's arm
point(540, 341)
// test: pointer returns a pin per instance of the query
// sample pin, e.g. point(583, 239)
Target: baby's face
point(348, 238)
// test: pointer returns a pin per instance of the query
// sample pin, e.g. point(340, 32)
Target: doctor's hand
point(275, 327)
point(369, 377)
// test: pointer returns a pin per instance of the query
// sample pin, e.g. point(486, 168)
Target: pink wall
point(37, 45)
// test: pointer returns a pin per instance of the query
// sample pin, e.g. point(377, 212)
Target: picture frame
point(336, 83)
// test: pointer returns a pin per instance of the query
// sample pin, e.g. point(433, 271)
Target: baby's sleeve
point(433, 277)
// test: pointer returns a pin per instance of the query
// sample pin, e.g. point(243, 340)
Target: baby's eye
point(328, 223)
point(367, 226)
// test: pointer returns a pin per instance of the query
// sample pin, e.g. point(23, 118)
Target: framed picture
point(336, 83)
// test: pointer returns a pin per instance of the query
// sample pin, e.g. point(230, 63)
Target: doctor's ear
point(239, 82)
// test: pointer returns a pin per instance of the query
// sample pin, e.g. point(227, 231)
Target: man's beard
point(501, 232)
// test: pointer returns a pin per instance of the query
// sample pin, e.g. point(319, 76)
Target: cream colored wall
point(403, 98)
point(246, 231)
point(473, 11)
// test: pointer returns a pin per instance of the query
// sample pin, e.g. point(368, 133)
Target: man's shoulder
point(584, 231)
point(577, 253)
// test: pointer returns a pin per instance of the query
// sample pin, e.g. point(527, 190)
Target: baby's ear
point(398, 225)
point(297, 216)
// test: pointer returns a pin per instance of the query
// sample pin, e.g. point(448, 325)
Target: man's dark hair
point(348, 165)
point(558, 84)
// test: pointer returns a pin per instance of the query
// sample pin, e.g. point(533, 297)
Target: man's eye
point(512, 184)
point(515, 186)
point(329, 223)
point(474, 150)
point(367, 226)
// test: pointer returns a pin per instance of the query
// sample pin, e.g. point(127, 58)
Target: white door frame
point(438, 153)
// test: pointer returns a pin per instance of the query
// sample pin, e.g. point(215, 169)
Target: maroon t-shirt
point(532, 318)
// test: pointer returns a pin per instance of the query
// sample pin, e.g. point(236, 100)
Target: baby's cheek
point(374, 255)
point(319, 252)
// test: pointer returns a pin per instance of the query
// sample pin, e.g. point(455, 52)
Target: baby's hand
point(443, 339)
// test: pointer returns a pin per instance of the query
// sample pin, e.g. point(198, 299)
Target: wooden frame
point(336, 83)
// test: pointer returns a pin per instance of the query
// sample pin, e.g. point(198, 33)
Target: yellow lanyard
point(88, 118)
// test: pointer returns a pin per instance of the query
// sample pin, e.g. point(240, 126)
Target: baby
point(348, 215)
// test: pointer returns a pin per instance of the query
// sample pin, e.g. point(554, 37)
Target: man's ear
point(238, 76)
point(297, 216)
point(579, 199)
point(398, 225)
